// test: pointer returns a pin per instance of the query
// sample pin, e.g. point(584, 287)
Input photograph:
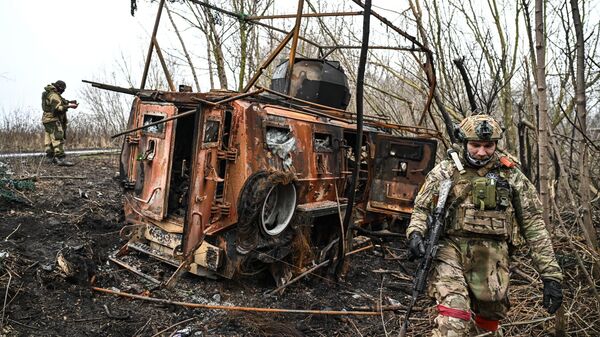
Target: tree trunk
point(584, 179)
point(185, 52)
point(243, 46)
point(540, 48)
point(217, 48)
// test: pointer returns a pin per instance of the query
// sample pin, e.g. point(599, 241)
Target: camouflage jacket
point(54, 106)
point(524, 212)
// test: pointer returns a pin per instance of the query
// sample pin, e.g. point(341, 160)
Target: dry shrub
point(20, 132)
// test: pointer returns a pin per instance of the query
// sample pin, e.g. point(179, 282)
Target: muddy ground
point(77, 210)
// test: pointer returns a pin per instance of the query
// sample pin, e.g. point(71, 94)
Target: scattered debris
point(76, 264)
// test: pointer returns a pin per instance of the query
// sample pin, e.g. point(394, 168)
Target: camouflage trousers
point(469, 276)
point(54, 139)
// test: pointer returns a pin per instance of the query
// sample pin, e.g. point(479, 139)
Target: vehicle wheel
point(267, 201)
point(278, 208)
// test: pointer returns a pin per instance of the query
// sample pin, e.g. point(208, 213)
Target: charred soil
point(76, 212)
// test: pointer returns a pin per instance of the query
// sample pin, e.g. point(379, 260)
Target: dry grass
point(20, 132)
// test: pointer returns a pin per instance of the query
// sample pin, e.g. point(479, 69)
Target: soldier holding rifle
point(490, 207)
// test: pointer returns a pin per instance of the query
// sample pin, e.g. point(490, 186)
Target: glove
point(552, 295)
point(416, 248)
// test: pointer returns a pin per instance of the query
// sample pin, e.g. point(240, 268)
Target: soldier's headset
point(484, 130)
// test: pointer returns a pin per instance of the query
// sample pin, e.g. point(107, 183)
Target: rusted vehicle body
point(262, 177)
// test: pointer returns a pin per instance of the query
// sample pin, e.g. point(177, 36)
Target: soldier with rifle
point(490, 207)
point(55, 122)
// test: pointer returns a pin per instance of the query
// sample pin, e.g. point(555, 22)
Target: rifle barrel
point(130, 91)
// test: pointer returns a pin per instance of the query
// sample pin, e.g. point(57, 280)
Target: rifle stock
point(436, 226)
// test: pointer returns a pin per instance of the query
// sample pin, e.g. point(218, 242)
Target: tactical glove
point(416, 248)
point(552, 295)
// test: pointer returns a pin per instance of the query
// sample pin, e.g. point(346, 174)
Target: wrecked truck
point(218, 183)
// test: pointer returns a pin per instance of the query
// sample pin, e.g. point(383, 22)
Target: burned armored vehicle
point(224, 183)
point(261, 176)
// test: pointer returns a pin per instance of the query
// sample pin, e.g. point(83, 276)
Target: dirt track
point(82, 217)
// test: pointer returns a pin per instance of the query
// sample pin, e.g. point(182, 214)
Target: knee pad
point(451, 326)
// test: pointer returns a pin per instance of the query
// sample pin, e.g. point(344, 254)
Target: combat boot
point(62, 161)
point(50, 159)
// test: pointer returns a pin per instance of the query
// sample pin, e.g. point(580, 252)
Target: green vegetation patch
point(10, 188)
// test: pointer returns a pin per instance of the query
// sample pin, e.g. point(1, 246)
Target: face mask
point(476, 162)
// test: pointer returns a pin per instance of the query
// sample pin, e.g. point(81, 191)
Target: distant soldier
point(470, 275)
point(55, 122)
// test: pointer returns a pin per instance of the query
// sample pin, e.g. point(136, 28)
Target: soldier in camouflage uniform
point(490, 207)
point(55, 122)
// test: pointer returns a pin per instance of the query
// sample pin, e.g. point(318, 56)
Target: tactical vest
point(482, 205)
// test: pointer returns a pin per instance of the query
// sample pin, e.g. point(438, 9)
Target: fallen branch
point(379, 308)
point(5, 298)
point(37, 177)
point(380, 303)
point(23, 199)
point(139, 331)
point(113, 316)
point(58, 213)
point(236, 308)
point(518, 271)
point(295, 279)
point(13, 232)
point(311, 270)
point(174, 325)
point(22, 324)
point(347, 319)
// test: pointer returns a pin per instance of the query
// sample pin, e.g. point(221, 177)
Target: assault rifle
point(436, 226)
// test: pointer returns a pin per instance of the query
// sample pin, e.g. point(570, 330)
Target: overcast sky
point(72, 40)
point(44, 41)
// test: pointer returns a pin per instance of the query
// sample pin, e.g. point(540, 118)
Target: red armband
point(456, 313)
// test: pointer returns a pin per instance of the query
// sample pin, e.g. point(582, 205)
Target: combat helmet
point(478, 127)
point(60, 85)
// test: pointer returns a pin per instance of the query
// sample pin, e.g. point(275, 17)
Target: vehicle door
point(400, 167)
point(153, 158)
point(205, 176)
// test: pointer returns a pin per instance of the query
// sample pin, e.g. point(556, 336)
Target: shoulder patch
point(507, 162)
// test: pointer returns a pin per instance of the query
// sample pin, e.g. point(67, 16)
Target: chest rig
point(482, 205)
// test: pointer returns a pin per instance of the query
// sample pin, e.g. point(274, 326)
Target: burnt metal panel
point(400, 167)
point(204, 176)
point(153, 159)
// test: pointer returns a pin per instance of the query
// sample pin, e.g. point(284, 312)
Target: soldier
point(491, 206)
point(55, 122)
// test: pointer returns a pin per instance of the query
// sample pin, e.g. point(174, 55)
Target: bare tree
point(584, 180)
point(544, 163)
point(184, 49)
